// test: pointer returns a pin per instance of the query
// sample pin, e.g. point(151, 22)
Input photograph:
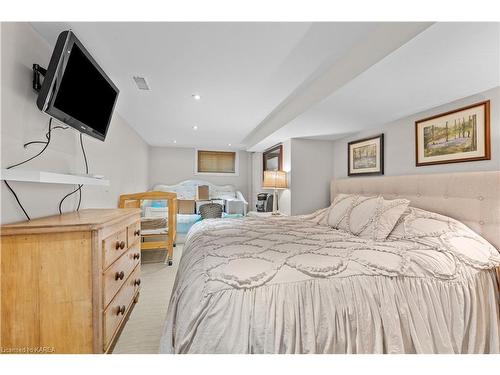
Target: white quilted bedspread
point(295, 285)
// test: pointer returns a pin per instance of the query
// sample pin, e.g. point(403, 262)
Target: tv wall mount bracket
point(37, 72)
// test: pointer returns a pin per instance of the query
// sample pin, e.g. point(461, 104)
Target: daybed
point(233, 201)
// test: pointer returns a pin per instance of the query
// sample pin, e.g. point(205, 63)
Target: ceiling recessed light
point(175, 141)
point(195, 127)
point(229, 144)
point(196, 96)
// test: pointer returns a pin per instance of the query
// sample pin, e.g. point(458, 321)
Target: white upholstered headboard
point(470, 197)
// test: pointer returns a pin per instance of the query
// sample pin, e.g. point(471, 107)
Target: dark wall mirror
point(272, 159)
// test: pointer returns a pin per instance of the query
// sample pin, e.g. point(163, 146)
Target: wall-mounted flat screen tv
point(75, 90)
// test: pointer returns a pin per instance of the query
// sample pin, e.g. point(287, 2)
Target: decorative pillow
point(367, 217)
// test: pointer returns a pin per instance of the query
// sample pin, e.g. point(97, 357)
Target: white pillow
point(367, 217)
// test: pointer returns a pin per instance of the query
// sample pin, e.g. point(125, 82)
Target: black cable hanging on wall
point(79, 188)
point(48, 136)
point(46, 143)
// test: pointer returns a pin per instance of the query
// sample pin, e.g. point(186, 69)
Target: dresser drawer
point(119, 306)
point(114, 246)
point(114, 277)
point(134, 232)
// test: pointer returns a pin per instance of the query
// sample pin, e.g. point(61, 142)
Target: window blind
point(216, 162)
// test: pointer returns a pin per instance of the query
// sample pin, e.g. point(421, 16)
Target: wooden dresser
point(68, 282)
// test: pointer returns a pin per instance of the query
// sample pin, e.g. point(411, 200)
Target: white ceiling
point(446, 62)
point(241, 70)
point(245, 72)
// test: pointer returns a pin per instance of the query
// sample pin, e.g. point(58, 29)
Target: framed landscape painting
point(366, 156)
point(453, 137)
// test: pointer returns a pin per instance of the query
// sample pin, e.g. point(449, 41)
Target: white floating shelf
point(50, 177)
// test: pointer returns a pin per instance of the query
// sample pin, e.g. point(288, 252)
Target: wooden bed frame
point(156, 241)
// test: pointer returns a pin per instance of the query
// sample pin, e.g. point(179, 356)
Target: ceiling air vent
point(141, 83)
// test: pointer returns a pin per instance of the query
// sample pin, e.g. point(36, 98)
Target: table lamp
point(275, 180)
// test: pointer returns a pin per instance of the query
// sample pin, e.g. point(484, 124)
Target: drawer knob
point(137, 282)
point(122, 245)
point(119, 275)
point(117, 245)
point(137, 232)
point(121, 310)
point(137, 256)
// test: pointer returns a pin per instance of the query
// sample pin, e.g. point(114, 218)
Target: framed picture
point(366, 156)
point(454, 137)
point(272, 159)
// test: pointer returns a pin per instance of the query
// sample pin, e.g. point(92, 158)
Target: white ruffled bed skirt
point(355, 314)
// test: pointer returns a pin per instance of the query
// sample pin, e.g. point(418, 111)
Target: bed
point(296, 285)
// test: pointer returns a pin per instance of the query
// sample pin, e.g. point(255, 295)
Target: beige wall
point(122, 158)
point(312, 170)
point(285, 202)
point(255, 179)
point(399, 142)
point(171, 165)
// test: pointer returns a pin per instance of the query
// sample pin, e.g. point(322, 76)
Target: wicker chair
point(211, 211)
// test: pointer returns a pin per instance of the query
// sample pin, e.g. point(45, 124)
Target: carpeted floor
point(142, 332)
